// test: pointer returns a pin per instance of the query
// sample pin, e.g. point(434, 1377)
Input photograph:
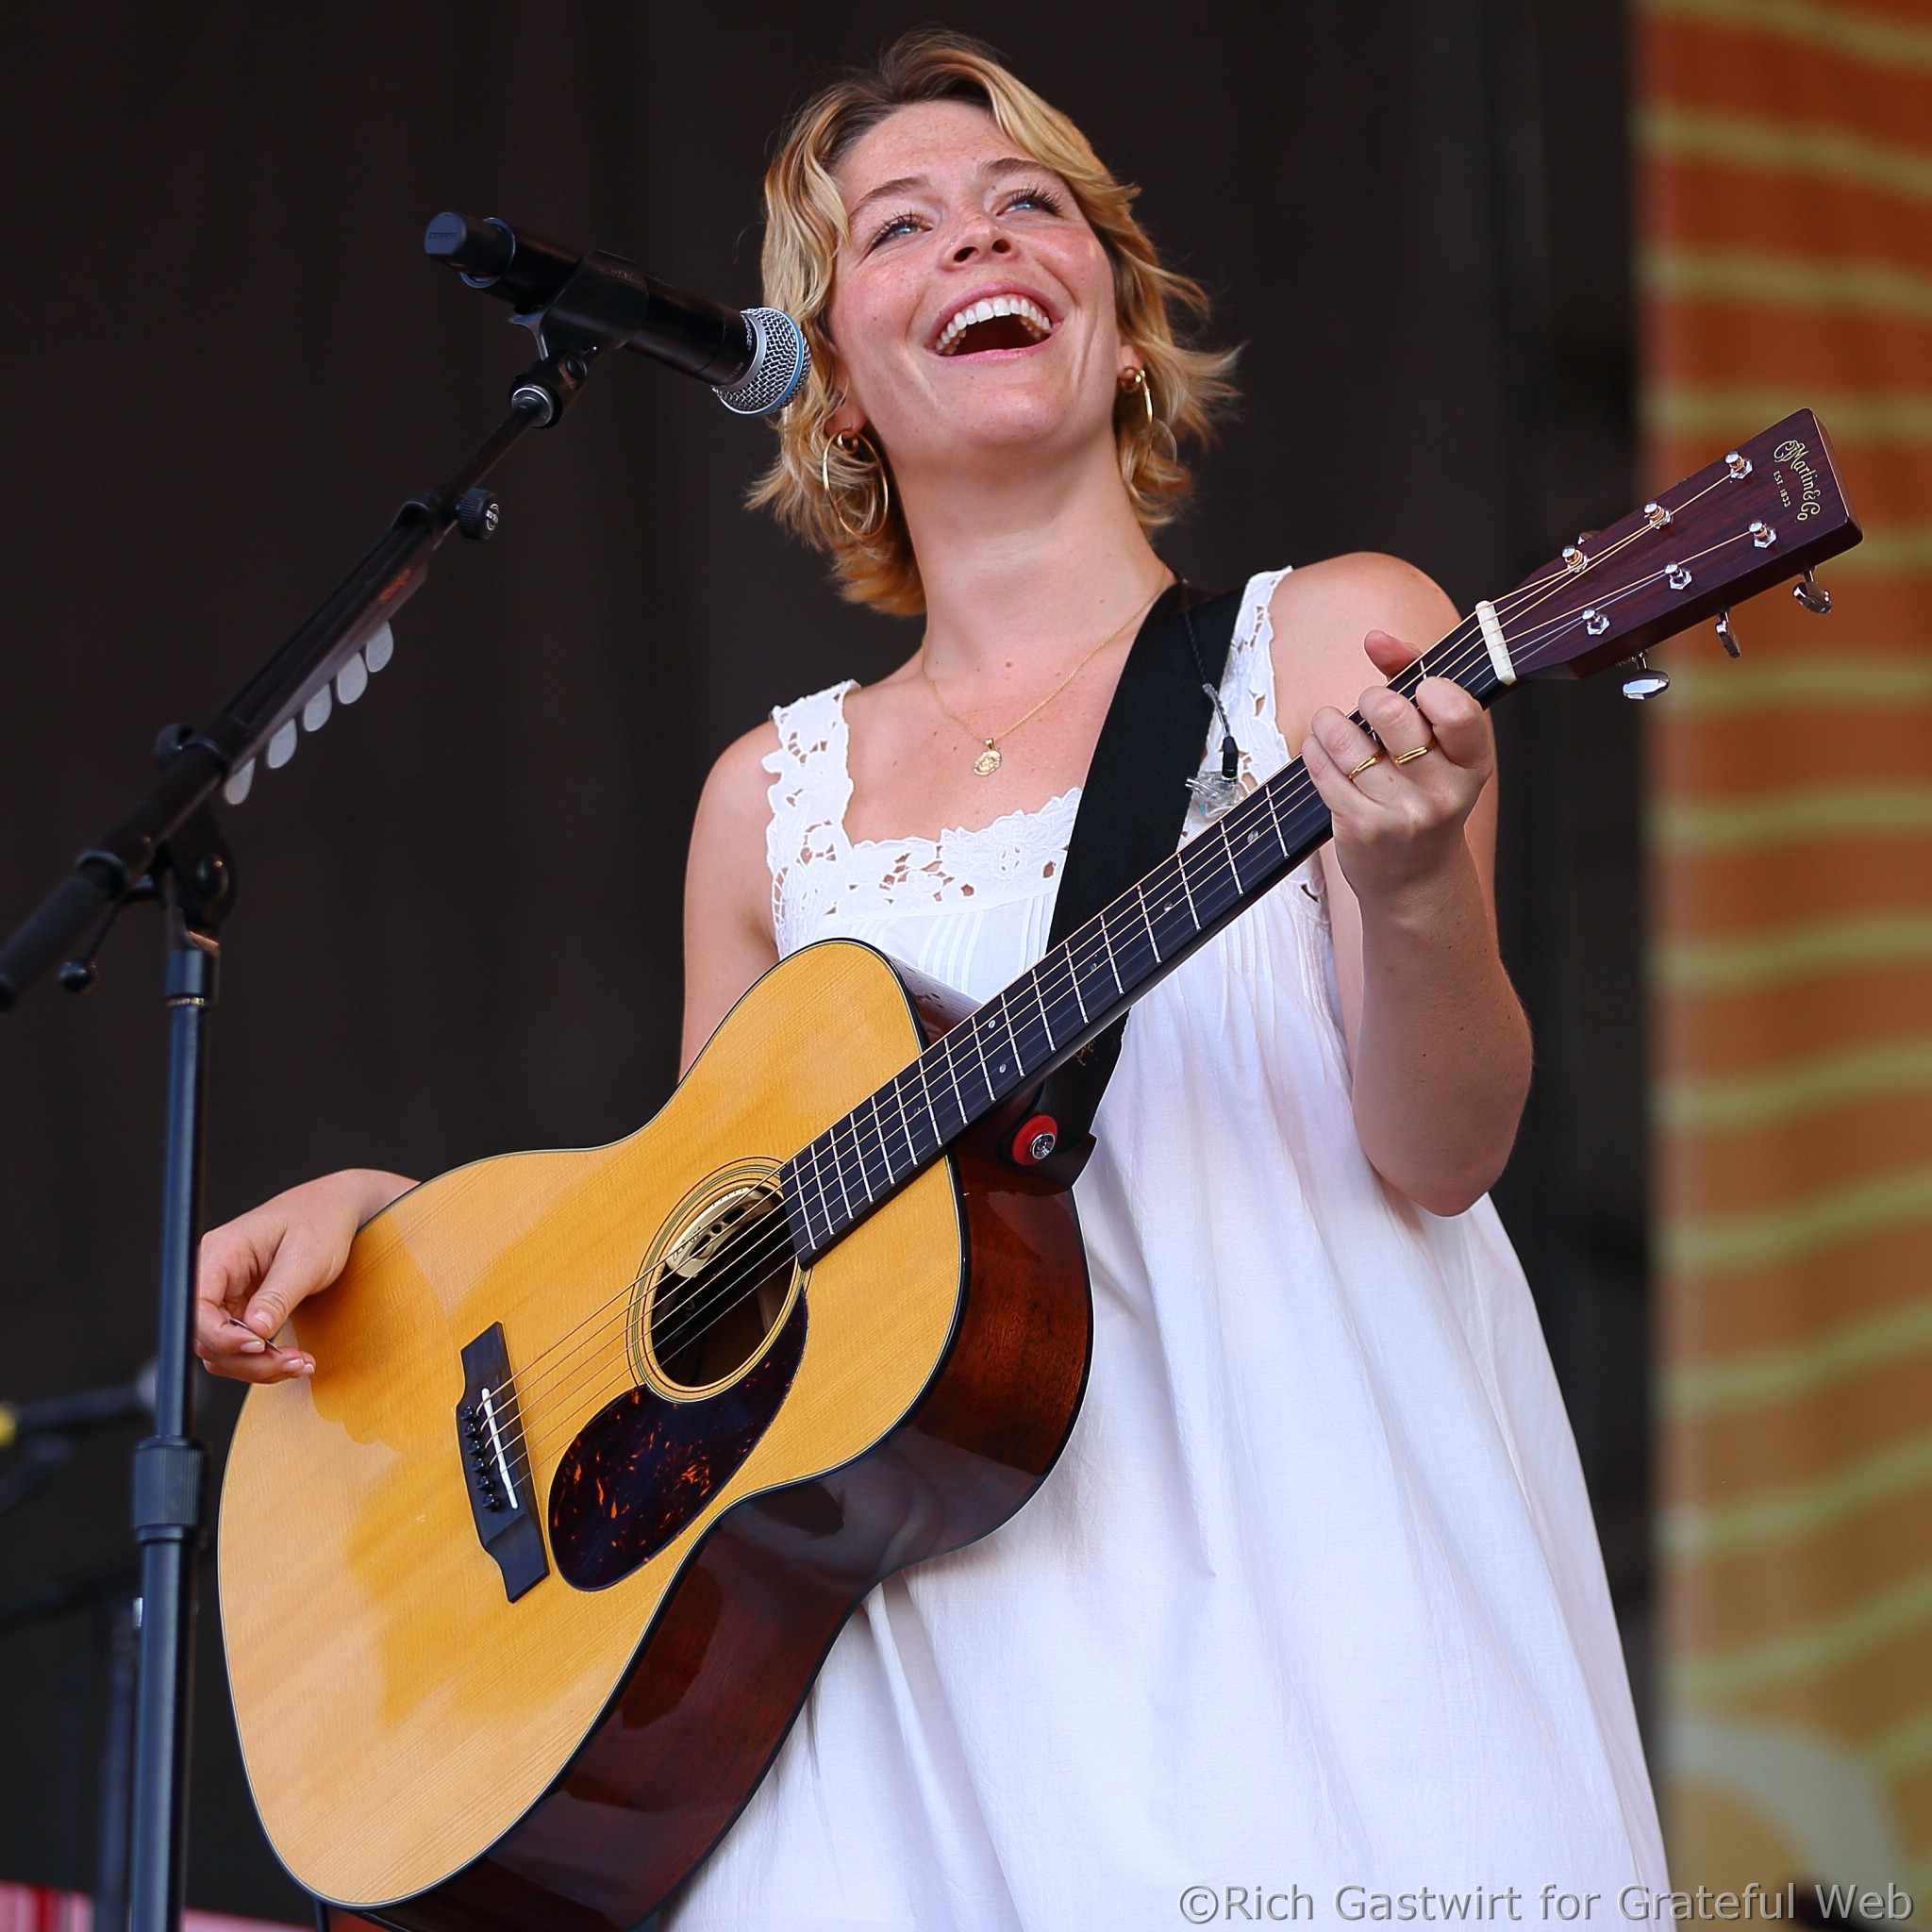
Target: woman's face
point(973, 305)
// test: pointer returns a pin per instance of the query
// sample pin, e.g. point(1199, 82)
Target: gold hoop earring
point(1146, 443)
point(849, 443)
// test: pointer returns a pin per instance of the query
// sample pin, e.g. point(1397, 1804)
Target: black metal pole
point(117, 1764)
point(170, 836)
point(170, 1467)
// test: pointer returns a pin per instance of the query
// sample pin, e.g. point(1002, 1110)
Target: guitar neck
point(1085, 984)
point(1766, 510)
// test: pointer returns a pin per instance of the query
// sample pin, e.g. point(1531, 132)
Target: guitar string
point(708, 1298)
point(1522, 595)
point(537, 1384)
point(700, 1303)
point(1526, 594)
point(1534, 590)
point(711, 1290)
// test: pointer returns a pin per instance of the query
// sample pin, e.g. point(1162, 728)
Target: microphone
point(61, 1413)
point(754, 360)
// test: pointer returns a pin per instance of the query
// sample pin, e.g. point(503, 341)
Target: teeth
point(1031, 313)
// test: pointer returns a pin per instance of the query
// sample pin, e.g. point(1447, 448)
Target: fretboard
point(1078, 988)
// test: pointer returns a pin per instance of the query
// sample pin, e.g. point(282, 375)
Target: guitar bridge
point(496, 1466)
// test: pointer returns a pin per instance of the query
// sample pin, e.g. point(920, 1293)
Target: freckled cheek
point(870, 325)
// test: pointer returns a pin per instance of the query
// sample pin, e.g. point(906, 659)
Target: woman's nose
point(982, 236)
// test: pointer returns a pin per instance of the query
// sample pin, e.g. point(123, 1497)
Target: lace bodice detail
point(825, 883)
point(822, 879)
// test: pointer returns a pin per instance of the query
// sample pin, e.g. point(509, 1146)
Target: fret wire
point(1167, 906)
point(1045, 1019)
point(959, 1067)
point(839, 1169)
point(1012, 1037)
point(792, 1194)
point(905, 1120)
point(818, 1187)
point(979, 1049)
point(1084, 956)
point(880, 1096)
point(879, 1134)
point(925, 1088)
point(1186, 893)
point(1148, 917)
point(942, 1050)
point(1234, 871)
point(853, 1125)
point(1107, 940)
point(1249, 845)
point(843, 1168)
point(1074, 978)
point(824, 1193)
point(1197, 855)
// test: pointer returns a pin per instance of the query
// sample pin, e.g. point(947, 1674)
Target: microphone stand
point(170, 848)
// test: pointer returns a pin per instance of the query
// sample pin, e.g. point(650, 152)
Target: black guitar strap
point(1135, 802)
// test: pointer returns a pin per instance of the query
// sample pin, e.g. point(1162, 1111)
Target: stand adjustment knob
point(478, 513)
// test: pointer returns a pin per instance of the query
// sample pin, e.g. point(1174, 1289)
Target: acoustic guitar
point(522, 1590)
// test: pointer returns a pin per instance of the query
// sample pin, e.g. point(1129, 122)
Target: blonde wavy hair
point(804, 224)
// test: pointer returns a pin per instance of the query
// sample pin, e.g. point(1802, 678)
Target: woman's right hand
point(256, 1268)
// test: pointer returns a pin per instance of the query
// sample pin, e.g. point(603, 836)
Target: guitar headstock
point(1771, 508)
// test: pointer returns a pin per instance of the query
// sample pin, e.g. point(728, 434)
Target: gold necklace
point(990, 760)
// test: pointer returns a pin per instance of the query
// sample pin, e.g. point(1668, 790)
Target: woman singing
point(1311, 1608)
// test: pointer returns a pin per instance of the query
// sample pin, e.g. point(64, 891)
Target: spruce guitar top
point(521, 1591)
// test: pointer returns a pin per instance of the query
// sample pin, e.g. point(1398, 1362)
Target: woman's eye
point(899, 224)
point(1036, 198)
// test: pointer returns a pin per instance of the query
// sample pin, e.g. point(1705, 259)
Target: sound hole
point(721, 1289)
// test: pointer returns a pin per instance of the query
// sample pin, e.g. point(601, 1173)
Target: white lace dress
point(1312, 1600)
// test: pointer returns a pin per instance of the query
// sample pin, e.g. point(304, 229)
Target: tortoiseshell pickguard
point(643, 1467)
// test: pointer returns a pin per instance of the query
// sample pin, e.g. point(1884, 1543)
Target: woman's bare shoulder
point(1362, 591)
point(735, 791)
point(1321, 613)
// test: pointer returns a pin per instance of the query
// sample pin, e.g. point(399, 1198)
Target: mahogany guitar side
point(365, 1625)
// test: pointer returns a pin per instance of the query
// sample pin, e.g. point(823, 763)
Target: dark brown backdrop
point(226, 362)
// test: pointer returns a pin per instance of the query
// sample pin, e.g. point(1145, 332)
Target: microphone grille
point(778, 365)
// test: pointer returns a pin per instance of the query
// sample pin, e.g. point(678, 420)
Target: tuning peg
point(1727, 637)
point(1812, 595)
point(1642, 681)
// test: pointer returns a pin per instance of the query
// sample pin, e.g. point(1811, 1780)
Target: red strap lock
point(1036, 1140)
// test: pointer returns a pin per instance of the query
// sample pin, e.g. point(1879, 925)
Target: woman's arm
point(727, 890)
point(257, 1268)
point(1438, 1041)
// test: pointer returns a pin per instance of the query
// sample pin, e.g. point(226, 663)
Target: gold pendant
point(987, 762)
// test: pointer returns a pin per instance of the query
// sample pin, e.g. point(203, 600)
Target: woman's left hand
point(1399, 817)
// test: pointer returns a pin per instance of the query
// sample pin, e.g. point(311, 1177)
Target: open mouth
point(999, 322)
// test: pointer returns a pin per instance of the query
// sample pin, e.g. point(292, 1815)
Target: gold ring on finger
point(1374, 757)
point(1421, 751)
